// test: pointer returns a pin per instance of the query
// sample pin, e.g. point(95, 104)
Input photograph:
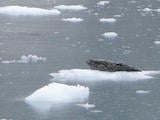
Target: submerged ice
point(27, 11)
point(86, 75)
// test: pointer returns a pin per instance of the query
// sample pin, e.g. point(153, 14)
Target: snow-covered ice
point(71, 7)
point(59, 93)
point(75, 20)
point(86, 75)
point(110, 35)
point(27, 11)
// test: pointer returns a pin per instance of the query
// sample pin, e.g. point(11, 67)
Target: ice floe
point(59, 93)
point(71, 7)
point(107, 20)
point(102, 3)
point(27, 11)
point(75, 20)
point(87, 106)
point(86, 75)
point(27, 59)
point(142, 91)
point(110, 35)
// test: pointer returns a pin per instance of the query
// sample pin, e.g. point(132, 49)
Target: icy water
point(134, 38)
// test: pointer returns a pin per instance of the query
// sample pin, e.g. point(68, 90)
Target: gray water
point(46, 36)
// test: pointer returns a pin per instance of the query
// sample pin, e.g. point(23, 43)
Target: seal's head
point(90, 62)
point(98, 61)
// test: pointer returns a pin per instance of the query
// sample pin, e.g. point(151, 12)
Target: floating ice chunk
point(102, 3)
point(86, 106)
point(157, 42)
point(86, 75)
point(142, 92)
point(71, 7)
point(147, 10)
point(158, 10)
point(31, 59)
point(75, 20)
point(110, 35)
point(27, 59)
point(27, 11)
point(108, 20)
point(59, 93)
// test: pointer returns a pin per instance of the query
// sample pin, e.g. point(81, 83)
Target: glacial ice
point(27, 11)
point(59, 93)
point(86, 75)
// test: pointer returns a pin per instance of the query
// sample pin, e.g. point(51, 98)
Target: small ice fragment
point(71, 7)
point(102, 3)
point(86, 106)
point(147, 10)
point(110, 35)
point(27, 59)
point(142, 92)
point(108, 20)
point(74, 20)
point(157, 42)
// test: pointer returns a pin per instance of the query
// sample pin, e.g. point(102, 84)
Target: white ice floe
point(110, 35)
point(71, 7)
point(147, 10)
point(142, 92)
point(107, 20)
point(59, 93)
point(27, 11)
point(157, 42)
point(75, 20)
point(86, 75)
point(87, 106)
point(27, 59)
point(102, 3)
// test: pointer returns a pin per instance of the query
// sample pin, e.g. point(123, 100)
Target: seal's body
point(103, 65)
